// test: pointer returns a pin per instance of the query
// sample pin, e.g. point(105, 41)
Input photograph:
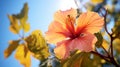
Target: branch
point(100, 55)
point(110, 56)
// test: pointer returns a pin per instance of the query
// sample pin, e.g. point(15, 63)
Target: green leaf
point(82, 59)
point(12, 46)
point(37, 44)
point(100, 39)
point(70, 62)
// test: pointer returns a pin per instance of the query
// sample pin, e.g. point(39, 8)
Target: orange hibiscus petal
point(56, 32)
point(62, 50)
point(61, 16)
point(67, 18)
point(61, 27)
point(85, 42)
point(89, 22)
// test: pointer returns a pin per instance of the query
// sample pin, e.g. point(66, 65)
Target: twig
point(76, 3)
point(105, 16)
point(100, 55)
point(105, 51)
point(110, 56)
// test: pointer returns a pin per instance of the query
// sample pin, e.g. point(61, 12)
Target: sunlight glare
point(66, 4)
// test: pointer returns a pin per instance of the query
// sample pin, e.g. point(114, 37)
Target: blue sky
point(40, 15)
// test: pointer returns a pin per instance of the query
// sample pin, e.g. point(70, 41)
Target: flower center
point(72, 29)
point(82, 34)
point(73, 36)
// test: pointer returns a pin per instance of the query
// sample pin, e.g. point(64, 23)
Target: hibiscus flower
point(69, 33)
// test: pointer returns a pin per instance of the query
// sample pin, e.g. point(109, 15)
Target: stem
point(109, 59)
point(112, 56)
point(105, 51)
point(106, 23)
point(23, 32)
point(20, 35)
point(111, 46)
point(114, 62)
point(100, 55)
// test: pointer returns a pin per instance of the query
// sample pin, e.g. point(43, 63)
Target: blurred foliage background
point(35, 45)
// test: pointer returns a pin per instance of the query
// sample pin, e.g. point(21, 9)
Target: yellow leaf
point(20, 55)
point(23, 17)
point(12, 46)
point(105, 44)
point(42, 55)
point(24, 14)
point(37, 44)
point(14, 25)
point(97, 1)
point(26, 27)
